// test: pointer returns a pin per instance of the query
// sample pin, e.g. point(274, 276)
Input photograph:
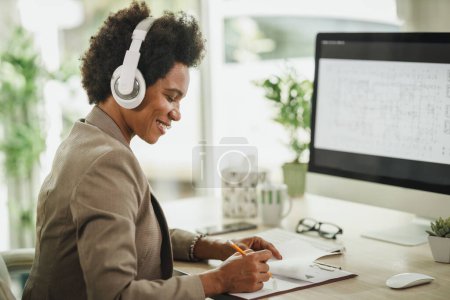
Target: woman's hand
point(238, 274)
point(207, 248)
point(257, 243)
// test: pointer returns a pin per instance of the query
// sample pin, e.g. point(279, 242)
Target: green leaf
point(441, 232)
point(292, 98)
point(21, 81)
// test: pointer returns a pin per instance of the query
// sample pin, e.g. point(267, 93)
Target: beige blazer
point(100, 232)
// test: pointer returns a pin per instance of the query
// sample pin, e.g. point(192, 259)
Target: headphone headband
point(131, 59)
point(145, 24)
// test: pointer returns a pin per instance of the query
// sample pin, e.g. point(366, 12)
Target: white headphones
point(129, 91)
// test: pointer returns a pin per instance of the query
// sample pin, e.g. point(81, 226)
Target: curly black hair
point(173, 38)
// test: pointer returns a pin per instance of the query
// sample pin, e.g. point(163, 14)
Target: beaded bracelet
point(192, 247)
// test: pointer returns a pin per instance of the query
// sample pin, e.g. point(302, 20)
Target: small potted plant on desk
point(292, 96)
point(439, 240)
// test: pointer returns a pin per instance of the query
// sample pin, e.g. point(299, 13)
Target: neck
point(112, 109)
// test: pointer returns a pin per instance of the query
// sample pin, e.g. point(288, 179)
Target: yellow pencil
point(236, 247)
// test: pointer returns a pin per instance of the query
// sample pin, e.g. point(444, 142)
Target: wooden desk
point(374, 261)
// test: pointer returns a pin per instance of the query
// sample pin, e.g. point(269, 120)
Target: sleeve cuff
point(197, 286)
point(192, 247)
point(181, 243)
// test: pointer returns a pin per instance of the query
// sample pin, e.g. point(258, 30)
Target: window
point(250, 40)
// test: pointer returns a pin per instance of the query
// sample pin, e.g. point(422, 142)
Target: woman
point(101, 233)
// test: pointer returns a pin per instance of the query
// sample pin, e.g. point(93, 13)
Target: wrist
point(207, 248)
point(213, 282)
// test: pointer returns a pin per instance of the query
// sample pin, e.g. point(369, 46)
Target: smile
point(163, 127)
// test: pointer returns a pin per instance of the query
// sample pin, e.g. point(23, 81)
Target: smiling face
point(161, 105)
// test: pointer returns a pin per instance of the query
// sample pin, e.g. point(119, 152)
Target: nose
point(175, 114)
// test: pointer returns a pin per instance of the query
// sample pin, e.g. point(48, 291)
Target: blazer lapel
point(166, 246)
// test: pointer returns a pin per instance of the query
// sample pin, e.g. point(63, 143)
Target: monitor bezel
point(410, 37)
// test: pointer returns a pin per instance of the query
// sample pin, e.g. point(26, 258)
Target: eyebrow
point(174, 90)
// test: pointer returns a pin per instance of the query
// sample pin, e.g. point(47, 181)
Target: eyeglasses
point(325, 230)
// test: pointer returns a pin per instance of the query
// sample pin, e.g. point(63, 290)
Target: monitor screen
point(381, 108)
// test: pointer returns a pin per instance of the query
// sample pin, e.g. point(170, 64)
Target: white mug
point(239, 194)
point(274, 203)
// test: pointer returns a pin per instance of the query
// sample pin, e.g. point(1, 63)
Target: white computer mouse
point(405, 280)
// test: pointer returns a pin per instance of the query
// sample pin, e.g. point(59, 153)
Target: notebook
point(298, 269)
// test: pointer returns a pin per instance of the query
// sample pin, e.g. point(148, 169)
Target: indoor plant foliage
point(22, 140)
point(439, 240)
point(440, 228)
point(291, 95)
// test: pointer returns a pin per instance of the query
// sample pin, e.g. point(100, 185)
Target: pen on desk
point(326, 265)
point(238, 249)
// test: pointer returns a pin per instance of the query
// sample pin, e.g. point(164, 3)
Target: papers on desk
point(279, 236)
point(297, 269)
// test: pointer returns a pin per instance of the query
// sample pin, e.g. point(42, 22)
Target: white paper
point(279, 236)
point(297, 268)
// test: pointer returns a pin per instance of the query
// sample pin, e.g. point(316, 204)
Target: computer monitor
point(380, 131)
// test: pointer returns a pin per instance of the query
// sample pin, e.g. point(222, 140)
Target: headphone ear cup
point(134, 99)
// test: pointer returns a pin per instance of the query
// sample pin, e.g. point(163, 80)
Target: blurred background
point(41, 95)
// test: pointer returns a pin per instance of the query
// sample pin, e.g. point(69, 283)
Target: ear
point(133, 99)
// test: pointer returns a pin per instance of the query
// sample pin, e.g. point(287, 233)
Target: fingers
point(242, 245)
point(262, 255)
point(258, 280)
point(246, 273)
point(262, 268)
point(259, 259)
point(261, 265)
point(265, 276)
point(255, 287)
point(260, 244)
point(274, 250)
point(248, 251)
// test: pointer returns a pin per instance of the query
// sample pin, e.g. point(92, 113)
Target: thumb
point(247, 251)
point(243, 246)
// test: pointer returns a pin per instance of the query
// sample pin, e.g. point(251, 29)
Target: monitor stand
point(411, 234)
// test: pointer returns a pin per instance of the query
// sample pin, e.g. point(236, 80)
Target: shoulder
point(88, 144)
point(108, 176)
point(89, 152)
point(91, 138)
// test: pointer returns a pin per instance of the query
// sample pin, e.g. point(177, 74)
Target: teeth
point(163, 125)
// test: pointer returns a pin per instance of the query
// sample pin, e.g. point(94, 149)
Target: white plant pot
point(440, 248)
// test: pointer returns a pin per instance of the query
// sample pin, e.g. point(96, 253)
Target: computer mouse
point(405, 280)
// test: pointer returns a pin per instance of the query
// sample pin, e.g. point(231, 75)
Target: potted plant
point(291, 95)
point(21, 80)
point(439, 239)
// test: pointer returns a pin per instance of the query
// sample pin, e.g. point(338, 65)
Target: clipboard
point(298, 269)
point(295, 285)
